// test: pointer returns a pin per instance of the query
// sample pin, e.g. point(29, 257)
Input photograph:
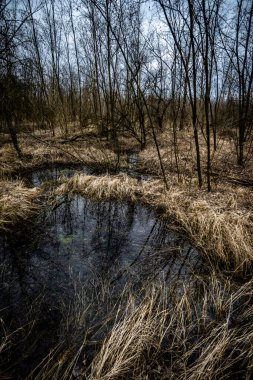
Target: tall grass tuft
point(119, 187)
point(199, 330)
point(223, 234)
point(130, 343)
point(17, 203)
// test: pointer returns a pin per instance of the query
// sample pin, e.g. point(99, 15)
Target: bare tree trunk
point(207, 94)
point(245, 74)
point(192, 82)
point(78, 65)
point(13, 134)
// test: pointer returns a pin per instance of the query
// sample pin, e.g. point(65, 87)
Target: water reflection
point(49, 175)
point(82, 240)
point(52, 174)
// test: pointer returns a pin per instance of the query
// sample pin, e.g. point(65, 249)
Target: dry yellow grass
point(131, 339)
point(224, 234)
point(121, 187)
point(228, 343)
point(223, 159)
point(196, 330)
point(180, 332)
point(39, 153)
point(16, 203)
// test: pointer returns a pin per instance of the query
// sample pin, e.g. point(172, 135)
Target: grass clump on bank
point(38, 153)
point(121, 187)
point(224, 234)
point(16, 203)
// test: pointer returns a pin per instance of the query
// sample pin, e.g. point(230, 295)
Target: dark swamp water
point(80, 248)
point(49, 175)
